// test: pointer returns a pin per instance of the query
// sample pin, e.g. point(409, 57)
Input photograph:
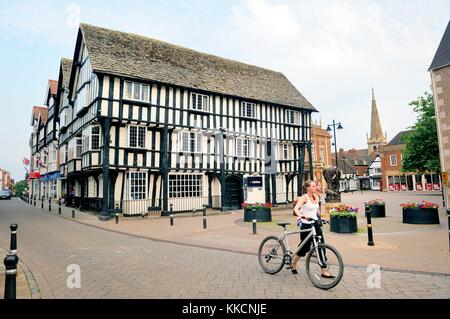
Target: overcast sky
point(332, 51)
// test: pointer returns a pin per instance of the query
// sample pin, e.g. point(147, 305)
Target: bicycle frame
point(312, 233)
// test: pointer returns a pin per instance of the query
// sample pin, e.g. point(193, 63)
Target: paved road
point(119, 266)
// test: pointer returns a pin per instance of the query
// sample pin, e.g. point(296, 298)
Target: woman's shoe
point(328, 276)
point(294, 271)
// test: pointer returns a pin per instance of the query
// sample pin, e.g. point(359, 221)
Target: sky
point(334, 52)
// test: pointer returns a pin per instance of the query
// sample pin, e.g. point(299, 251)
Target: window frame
point(244, 110)
point(194, 107)
point(241, 149)
point(138, 129)
point(142, 176)
point(288, 113)
point(390, 159)
point(194, 138)
point(185, 185)
point(141, 93)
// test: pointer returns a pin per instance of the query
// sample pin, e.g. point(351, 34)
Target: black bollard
point(254, 221)
point(13, 244)
point(34, 200)
point(204, 217)
point(49, 204)
point(10, 262)
point(59, 206)
point(193, 212)
point(171, 215)
point(42, 202)
point(73, 208)
point(369, 226)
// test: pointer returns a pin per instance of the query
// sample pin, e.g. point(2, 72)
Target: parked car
point(5, 194)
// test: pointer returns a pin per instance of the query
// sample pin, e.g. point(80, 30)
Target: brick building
point(5, 179)
point(440, 79)
point(321, 151)
point(393, 178)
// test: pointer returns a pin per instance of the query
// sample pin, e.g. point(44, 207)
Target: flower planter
point(261, 215)
point(414, 215)
point(377, 211)
point(343, 225)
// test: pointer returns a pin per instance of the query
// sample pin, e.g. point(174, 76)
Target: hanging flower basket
point(343, 219)
point(425, 213)
point(377, 208)
point(262, 212)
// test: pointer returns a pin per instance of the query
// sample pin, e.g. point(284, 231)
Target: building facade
point(394, 179)
point(5, 179)
point(153, 126)
point(440, 79)
point(320, 152)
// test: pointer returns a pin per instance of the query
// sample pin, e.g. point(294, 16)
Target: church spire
point(376, 131)
point(376, 138)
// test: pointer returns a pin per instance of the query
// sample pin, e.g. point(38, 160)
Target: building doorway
point(233, 193)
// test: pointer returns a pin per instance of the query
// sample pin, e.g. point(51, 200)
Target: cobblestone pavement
point(117, 265)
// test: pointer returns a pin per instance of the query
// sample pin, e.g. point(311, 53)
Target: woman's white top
point(309, 210)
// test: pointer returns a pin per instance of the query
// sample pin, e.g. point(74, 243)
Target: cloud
point(334, 51)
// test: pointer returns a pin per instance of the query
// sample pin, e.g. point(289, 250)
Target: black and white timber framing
point(142, 151)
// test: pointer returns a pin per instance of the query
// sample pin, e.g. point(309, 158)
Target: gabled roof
point(53, 86)
point(397, 140)
point(39, 112)
point(442, 56)
point(140, 57)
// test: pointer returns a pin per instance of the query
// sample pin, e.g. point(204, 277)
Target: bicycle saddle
point(283, 224)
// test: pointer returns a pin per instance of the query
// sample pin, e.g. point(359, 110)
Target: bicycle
point(275, 251)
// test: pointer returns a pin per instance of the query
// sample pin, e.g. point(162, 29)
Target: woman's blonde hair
point(306, 185)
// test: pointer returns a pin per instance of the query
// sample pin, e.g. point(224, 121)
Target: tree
point(421, 154)
point(20, 187)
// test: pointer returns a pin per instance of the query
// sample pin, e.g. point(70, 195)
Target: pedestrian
point(307, 210)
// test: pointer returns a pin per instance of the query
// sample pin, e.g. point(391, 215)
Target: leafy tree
point(20, 187)
point(422, 148)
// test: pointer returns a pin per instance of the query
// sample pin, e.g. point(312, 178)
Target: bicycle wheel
point(271, 254)
point(332, 262)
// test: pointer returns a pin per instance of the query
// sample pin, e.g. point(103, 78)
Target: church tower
point(376, 138)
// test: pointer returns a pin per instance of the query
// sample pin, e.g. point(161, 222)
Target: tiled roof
point(145, 58)
point(53, 85)
point(442, 56)
point(397, 140)
point(42, 111)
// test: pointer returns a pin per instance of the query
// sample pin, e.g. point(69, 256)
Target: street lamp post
point(339, 127)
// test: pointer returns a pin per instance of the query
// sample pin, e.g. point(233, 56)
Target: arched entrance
point(233, 193)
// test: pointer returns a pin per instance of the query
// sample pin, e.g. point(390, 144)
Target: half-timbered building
point(156, 125)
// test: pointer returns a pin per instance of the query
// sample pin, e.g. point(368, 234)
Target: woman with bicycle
point(307, 210)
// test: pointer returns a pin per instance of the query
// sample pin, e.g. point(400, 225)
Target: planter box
point(261, 215)
point(343, 225)
point(377, 211)
point(420, 216)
